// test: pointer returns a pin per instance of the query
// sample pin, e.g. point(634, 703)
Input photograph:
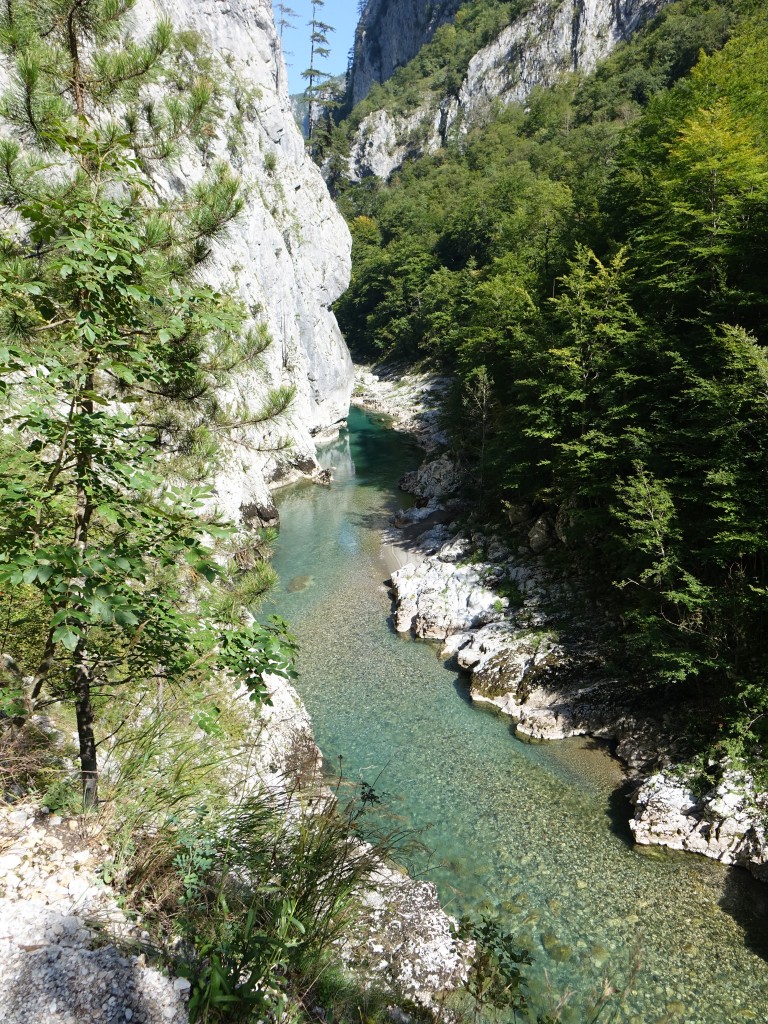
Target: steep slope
point(287, 256)
point(389, 34)
point(542, 42)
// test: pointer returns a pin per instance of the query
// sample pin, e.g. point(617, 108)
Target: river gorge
point(534, 834)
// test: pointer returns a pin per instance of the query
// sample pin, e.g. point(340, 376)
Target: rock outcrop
point(546, 42)
point(287, 255)
point(437, 598)
point(405, 938)
point(727, 823)
point(390, 33)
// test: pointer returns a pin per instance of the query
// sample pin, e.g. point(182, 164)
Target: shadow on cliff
point(746, 901)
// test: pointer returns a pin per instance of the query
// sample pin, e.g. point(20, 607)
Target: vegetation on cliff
point(125, 599)
point(590, 267)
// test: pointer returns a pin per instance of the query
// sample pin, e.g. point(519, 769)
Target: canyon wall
point(537, 48)
point(389, 34)
point(287, 255)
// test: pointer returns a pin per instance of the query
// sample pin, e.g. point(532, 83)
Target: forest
point(588, 268)
point(591, 267)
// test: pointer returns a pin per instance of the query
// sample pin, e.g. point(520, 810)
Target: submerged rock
point(299, 583)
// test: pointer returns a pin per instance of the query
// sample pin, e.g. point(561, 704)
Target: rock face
point(283, 755)
point(726, 824)
point(536, 49)
point(287, 256)
point(546, 42)
point(390, 32)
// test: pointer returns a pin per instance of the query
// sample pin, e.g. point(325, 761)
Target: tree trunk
point(81, 673)
point(89, 768)
point(46, 661)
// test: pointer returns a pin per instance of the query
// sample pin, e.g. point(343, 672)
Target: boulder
point(541, 535)
point(726, 823)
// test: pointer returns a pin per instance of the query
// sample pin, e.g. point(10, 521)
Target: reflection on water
point(534, 833)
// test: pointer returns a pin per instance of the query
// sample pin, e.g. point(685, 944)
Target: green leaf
point(103, 610)
point(124, 617)
point(67, 637)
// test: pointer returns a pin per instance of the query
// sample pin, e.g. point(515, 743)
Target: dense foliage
point(107, 335)
point(592, 269)
point(123, 608)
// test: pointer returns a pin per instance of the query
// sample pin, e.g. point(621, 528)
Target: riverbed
point(533, 835)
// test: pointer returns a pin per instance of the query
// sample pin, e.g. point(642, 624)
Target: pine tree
point(284, 16)
point(284, 21)
point(106, 325)
point(315, 77)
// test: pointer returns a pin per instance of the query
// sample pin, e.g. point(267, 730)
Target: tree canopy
point(596, 259)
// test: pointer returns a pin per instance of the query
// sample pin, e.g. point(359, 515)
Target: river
point(534, 834)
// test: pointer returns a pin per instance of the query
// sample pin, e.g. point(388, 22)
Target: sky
point(342, 14)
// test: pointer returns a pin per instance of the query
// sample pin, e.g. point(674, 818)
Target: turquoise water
point(534, 833)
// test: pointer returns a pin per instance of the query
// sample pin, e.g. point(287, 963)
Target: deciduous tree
point(105, 324)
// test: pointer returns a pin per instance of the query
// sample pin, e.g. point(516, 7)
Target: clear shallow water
point(537, 833)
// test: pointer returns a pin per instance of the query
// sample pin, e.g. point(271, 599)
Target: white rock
point(437, 598)
point(725, 824)
point(549, 40)
point(287, 255)
point(78, 887)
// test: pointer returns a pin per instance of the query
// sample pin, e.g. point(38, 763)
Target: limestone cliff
point(389, 34)
point(549, 40)
point(287, 256)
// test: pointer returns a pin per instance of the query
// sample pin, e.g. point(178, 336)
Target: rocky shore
point(511, 627)
point(70, 953)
